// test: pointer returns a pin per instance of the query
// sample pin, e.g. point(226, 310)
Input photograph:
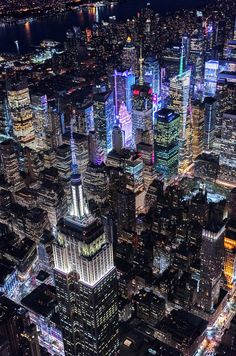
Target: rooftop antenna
point(181, 64)
point(74, 165)
point(141, 65)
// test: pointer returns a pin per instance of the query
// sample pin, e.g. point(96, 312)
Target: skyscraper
point(125, 120)
point(197, 64)
point(152, 76)
point(212, 251)
point(96, 154)
point(197, 108)
point(142, 111)
point(117, 138)
point(104, 119)
point(166, 133)
point(209, 122)
point(125, 210)
point(10, 165)
point(4, 117)
point(21, 112)
point(179, 102)
point(129, 56)
point(228, 148)
point(123, 82)
point(39, 105)
point(85, 279)
point(210, 78)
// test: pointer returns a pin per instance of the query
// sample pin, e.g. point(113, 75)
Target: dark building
point(14, 326)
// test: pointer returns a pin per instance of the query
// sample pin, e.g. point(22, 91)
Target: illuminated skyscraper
point(198, 128)
point(85, 279)
point(142, 111)
point(230, 241)
point(84, 117)
point(96, 154)
point(179, 102)
point(40, 119)
point(166, 133)
point(210, 78)
point(123, 82)
point(197, 64)
point(10, 165)
point(225, 96)
point(104, 119)
point(228, 148)
point(212, 252)
point(129, 56)
point(21, 113)
point(152, 76)
point(125, 121)
point(230, 257)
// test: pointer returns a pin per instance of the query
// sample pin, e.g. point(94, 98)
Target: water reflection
point(55, 27)
point(28, 34)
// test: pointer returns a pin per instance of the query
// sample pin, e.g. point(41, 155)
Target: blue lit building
point(151, 73)
point(123, 82)
point(210, 78)
point(166, 134)
point(104, 119)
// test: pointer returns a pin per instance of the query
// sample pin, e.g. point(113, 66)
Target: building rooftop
point(41, 300)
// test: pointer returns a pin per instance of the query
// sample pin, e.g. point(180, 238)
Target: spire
point(181, 64)
point(141, 65)
point(79, 208)
point(74, 165)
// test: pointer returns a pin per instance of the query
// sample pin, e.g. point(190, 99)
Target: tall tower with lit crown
point(129, 56)
point(85, 279)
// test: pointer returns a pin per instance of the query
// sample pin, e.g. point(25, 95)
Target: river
point(54, 27)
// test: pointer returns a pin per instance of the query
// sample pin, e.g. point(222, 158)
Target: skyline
point(118, 179)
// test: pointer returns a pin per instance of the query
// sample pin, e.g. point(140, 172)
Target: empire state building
point(85, 279)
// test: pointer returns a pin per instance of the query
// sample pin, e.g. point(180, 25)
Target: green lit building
point(166, 133)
